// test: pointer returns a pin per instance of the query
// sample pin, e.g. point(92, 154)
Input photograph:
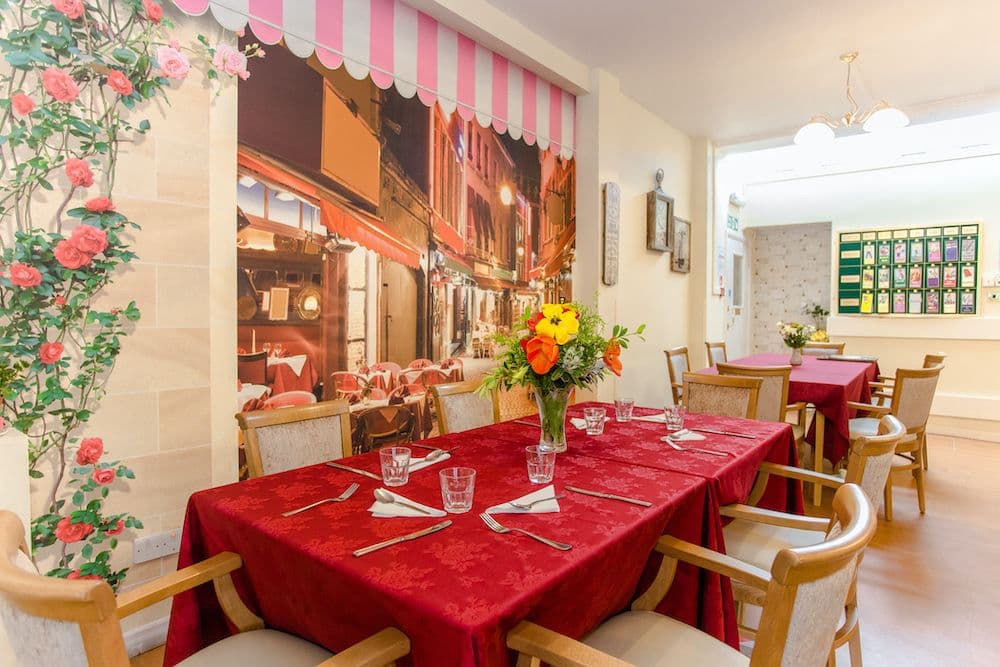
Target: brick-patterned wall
point(789, 268)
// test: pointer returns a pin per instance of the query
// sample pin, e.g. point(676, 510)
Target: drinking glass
point(623, 409)
point(674, 416)
point(541, 465)
point(595, 420)
point(395, 465)
point(458, 486)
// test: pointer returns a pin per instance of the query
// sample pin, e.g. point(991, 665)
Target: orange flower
point(611, 356)
point(543, 353)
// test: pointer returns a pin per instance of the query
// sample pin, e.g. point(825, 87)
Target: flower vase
point(552, 406)
point(796, 359)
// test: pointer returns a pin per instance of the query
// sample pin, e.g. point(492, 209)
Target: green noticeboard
point(912, 271)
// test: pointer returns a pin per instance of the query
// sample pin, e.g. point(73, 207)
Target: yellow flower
point(558, 322)
point(820, 336)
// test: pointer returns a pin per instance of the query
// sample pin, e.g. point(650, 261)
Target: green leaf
point(124, 55)
point(35, 474)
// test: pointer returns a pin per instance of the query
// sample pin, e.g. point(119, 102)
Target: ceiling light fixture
point(882, 116)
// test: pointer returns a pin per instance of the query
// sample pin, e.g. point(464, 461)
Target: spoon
point(435, 455)
point(528, 506)
point(384, 496)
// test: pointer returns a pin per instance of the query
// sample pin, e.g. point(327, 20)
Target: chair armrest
point(868, 407)
point(677, 385)
point(887, 378)
point(382, 648)
point(167, 586)
point(707, 559)
point(772, 518)
point(881, 385)
point(796, 407)
point(556, 649)
point(801, 474)
point(881, 394)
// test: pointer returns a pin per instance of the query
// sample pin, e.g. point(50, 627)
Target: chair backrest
point(515, 402)
point(460, 408)
point(252, 368)
point(870, 458)
point(346, 382)
point(290, 398)
point(722, 395)
point(934, 359)
point(716, 353)
point(293, 437)
point(678, 363)
point(50, 621)
point(773, 397)
point(432, 376)
point(420, 363)
point(808, 587)
point(912, 396)
point(391, 424)
point(819, 349)
point(412, 377)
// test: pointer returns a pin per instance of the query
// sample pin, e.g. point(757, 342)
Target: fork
point(348, 492)
point(495, 526)
point(528, 506)
point(673, 444)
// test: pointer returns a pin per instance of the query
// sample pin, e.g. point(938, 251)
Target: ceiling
point(744, 71)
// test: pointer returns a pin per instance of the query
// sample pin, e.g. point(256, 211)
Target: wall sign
point(612, 222)
point(659, 217)
point(915, 271)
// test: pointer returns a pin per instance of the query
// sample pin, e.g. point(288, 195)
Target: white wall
point(959, 190)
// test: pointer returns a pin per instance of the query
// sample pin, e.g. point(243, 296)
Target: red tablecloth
point(458, 592)
point(282, 378)
point(828, 385)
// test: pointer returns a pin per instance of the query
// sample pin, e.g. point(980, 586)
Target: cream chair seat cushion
point(648, 639)
point(758, 543)
point(259, 648)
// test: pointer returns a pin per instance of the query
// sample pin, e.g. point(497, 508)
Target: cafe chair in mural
point(389, 425)
point(460, 408)
point(393, 369)
point(288, 399)
point(252, 368)
point(678, 363)
point(433, 376)
point(297, 436)
point(455, 366)
point(346, 384)
point(803, 599)
point(816, 349)
point(420, 363)
point(722, 395)
point(413, 380)
point(716, 353)
point(50, 621)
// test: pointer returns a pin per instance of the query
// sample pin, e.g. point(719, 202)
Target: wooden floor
point(930, 585)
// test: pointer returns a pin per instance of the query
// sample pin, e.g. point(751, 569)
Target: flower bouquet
point(554, 350)
point(796, 336)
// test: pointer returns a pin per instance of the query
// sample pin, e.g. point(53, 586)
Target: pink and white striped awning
point(395, 43)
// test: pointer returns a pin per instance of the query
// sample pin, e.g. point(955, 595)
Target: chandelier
point(882, 116)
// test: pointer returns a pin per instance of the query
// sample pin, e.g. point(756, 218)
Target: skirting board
point(146, 637)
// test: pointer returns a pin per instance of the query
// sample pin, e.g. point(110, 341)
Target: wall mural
point(372, 228)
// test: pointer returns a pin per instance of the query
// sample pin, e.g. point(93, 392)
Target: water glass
point(595, 420)
point(541, 464)
point(458, 486)
point(674, 416)
point(623, 409)
point(395, 465)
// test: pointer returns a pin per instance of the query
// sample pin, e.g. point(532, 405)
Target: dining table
point(294, 373)
point(828, 385)
point(457, 593)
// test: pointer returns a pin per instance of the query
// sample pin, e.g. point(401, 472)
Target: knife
point(405, 538)
point(730, 433)
point(524, 422)
point(340, 466)
point(610, 496)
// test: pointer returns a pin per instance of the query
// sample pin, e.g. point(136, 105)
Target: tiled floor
point(930, 586)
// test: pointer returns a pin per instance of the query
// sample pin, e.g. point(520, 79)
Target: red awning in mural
point(493, 283)
point(448, 234)
point(370, 233)
point(396, 44)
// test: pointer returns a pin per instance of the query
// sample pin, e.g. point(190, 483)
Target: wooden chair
point(882, 389)
point(252, 368)
point(51, 621)
point(823, 349)
point(389, 425)
point(678, 363)
point(303, 435)
point(716, 353)
point(412, 378)
point(346, 383)
point(772, 402)
point(912, 397)
point(805, 593)
point(459, 408)
point(515, 403)
point(722, 395)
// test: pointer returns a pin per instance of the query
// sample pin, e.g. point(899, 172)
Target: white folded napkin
point(420, 464)
point(660, 419)
point(388, 510)
point(581, 423)
point(685, 434)
point(296, 362)
point(541, 508)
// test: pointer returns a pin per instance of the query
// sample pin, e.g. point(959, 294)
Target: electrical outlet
point(994, 296)
point(156, 546)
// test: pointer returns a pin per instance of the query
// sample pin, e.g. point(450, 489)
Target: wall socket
point(994, 296)
point(156, 546)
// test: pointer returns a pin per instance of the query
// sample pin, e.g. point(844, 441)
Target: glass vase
point(796, 359)
point(552, 406)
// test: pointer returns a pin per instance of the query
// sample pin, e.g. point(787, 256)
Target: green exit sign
point(733, 223)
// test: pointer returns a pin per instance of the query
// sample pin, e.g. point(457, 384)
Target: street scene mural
point(381, 242)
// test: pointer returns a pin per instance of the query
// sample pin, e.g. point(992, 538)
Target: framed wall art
point(681, 259)
point(612, 223)
point(659, 217)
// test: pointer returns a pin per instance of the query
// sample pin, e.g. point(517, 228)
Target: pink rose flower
point(230, 60)
point(50, 353)
point(90, 451)
point(70, 256)
point(60, 85)
point(117, 530)
point(72, 532)
point(154, 12)
point(88, 239)
point(103, 476)
point(23, 275)
point(22, 104)
point(60, 300)
point(173, 63)
point(79, 173)
point(119, 82)
point(99, 205)
point(76, 574)
point(73, 9)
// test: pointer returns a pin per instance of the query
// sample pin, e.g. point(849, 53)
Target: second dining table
point(457, 593)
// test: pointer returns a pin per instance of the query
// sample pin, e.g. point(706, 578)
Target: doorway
point(398, 313)
point(736, 310)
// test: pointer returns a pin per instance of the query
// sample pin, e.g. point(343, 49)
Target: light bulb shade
point(887, 118)
point(814, 133)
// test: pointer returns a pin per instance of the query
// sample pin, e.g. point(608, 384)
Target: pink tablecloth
point(283, 378)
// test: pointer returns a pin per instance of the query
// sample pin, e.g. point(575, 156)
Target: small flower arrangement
point(796, 335)
point(820, 336)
